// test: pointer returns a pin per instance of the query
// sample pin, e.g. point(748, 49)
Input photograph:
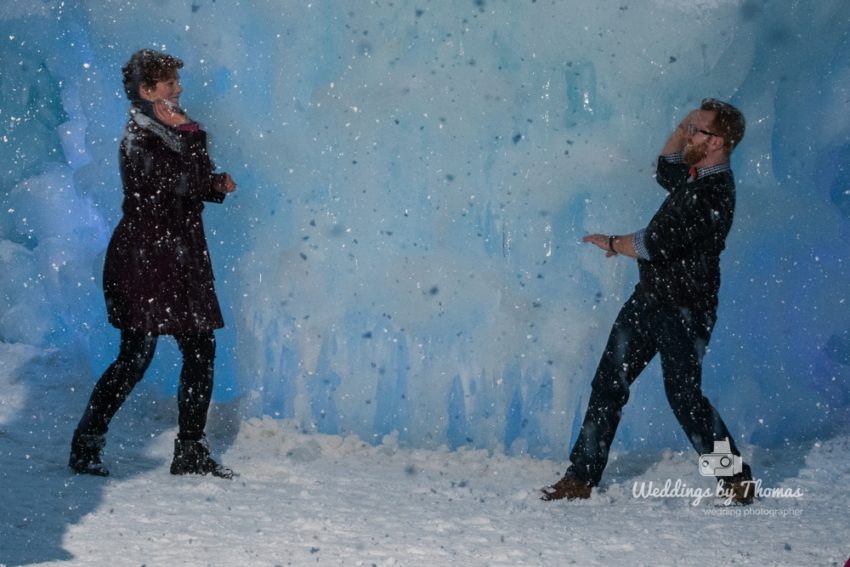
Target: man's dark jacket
point(686, 236)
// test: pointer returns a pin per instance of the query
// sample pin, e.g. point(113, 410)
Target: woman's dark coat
point(158, 277)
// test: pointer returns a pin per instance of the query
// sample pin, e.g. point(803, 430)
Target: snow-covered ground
point(309, 499)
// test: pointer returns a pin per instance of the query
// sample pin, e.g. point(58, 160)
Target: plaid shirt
point(679, 157)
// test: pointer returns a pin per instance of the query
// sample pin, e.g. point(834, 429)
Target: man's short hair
point(146, 67)
point(729, 123)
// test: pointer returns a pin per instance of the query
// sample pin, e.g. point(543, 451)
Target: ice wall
point(403, 256)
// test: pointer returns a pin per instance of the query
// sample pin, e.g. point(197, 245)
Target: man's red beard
point(694, 154)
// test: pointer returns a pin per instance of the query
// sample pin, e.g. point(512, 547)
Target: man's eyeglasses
point(693, 130)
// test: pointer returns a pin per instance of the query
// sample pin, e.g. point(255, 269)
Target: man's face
point(698, 136)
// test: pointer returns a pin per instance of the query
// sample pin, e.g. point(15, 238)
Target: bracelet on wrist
point(611, 244)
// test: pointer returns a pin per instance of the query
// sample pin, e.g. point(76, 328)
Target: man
point(673, 308)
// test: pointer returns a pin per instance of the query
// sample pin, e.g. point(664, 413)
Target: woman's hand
point(169, 114)
point(225, 184)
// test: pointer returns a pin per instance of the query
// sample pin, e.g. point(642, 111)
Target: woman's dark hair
point(146, 67)
point(728, 122)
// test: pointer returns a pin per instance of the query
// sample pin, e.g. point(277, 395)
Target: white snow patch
point(328, 500)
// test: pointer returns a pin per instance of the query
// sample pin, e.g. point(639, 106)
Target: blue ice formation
point(403, 255)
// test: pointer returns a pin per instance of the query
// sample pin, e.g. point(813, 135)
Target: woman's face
point(168, 88)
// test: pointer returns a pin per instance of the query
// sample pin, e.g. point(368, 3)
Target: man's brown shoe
point(740, 488)
point(570, 487)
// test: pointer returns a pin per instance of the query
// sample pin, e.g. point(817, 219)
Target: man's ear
point(717, 142)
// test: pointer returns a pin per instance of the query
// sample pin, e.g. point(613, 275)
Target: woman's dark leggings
point(134, 357)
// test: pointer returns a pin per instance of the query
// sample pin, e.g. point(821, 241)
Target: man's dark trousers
point(646, 327)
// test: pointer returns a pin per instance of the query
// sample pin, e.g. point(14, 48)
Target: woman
point(158, 278)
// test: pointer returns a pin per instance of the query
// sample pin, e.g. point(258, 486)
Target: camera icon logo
point(721, 462)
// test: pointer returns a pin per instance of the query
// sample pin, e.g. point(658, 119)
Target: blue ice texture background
point(403, 256)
